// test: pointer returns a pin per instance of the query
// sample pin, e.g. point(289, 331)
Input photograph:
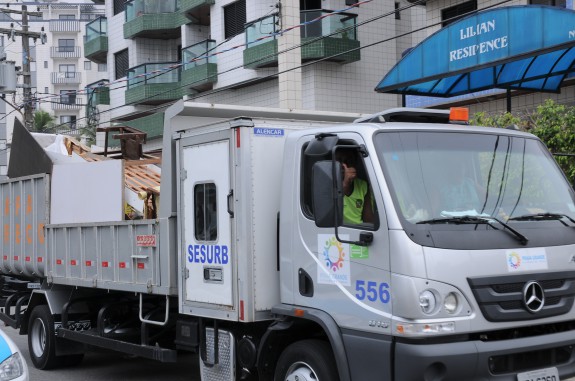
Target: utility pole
point(26, 73)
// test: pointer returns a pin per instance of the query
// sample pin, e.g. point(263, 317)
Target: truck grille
point(502, 298)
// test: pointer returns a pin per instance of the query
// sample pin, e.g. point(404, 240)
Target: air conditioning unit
point(7, 77)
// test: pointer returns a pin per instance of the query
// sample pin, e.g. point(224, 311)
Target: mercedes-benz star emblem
point(533, 296)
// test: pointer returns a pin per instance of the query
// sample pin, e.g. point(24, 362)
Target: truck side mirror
point(327, 194)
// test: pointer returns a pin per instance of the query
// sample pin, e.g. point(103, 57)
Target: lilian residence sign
point(482, 40)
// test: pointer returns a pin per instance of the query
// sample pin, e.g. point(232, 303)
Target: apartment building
point(306, 54)
point(60, 72)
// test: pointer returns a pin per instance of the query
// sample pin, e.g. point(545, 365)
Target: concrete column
point(290, 79)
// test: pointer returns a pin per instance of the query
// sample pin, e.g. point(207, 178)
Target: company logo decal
point(519, 260)
point(335, 257)
point(514, 260)
point(272, 132)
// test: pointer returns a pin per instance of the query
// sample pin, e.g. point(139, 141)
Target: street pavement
point(112, 366)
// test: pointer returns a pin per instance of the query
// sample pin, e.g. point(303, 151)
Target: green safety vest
point(353, 204)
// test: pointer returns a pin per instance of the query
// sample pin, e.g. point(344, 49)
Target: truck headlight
point(427, 302)
point(12, 367)
point(450, 303)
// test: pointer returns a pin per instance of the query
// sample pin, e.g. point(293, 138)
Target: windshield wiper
point(477, 220)
point(543, 217)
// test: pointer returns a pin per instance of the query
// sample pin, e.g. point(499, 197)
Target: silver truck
point(463, 269)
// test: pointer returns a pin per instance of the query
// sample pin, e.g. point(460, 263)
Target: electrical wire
point(271, 76)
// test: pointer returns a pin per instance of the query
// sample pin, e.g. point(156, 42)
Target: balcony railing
point(64, 26)
point(333, 38)
point(66, 77)
point(199, 70)
point(153, 19)
point(96, 28)
point(153, 83)
point(65, 52)
point(96, 40)
point(344, 23)
point(261, 30)
point(68, 102)
point(98, 93)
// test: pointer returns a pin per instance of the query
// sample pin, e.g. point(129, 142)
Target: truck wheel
point(42, 338)
point(42, 341)
point(307, 360)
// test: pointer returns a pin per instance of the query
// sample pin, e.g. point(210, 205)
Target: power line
point(273, 75)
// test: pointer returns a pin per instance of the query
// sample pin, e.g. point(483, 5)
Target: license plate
point(548, 374)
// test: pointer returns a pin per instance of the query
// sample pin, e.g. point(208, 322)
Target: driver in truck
point(357, 204)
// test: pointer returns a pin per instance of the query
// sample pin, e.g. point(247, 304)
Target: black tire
point(307, 360)
point(42, 338)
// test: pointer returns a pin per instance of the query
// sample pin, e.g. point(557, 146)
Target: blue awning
point(518, 48)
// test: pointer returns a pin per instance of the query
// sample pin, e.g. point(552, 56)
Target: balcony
point(64, 26)
point(197, 11)
point(66, 77)
point(65, 52)
point(96, 40)
point(160, 19)
point(153, 84)
point(199, 70)
point(68, 102)
point(98, 93)
point(332, 39)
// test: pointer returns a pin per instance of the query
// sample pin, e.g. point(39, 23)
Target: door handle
point(230, 201)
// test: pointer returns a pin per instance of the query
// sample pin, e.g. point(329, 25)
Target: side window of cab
point(359, 208)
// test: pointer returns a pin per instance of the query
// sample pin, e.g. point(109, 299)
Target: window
point(206, 216)
point(35, 18)
point(66, 45)
point(69, 70)
point(234, 18)
point(359, 208)
point(45, 64)
point(122, 63)
point(397, 14)
point(68, 97)
point(67, 17)
point(119, 6)
point(45, 90)
point(69, 120)
point(87, 65)
point(102, 67)
point(5, 17)
point(452, 14)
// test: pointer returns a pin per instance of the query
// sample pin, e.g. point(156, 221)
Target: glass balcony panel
point(344, 22)
point(155, 73)
point(333, 38)
point(199, 54)
point(257, 31)
point(137, 8)
point(96, 28)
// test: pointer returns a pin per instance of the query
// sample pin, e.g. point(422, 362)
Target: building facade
point(59, 70)
point(303, 54)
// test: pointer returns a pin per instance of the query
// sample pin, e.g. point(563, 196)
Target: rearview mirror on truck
point(325, 190)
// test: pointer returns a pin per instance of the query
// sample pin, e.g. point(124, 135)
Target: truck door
point(207, 226)
point(349, 281)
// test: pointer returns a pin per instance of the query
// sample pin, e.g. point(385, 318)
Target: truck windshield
point(445, 175)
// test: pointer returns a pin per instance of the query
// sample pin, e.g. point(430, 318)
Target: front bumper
point(478, 360)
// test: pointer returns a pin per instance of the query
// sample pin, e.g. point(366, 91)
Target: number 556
point(373, 291)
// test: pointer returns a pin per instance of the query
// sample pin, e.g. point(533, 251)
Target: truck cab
point(466, 270)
